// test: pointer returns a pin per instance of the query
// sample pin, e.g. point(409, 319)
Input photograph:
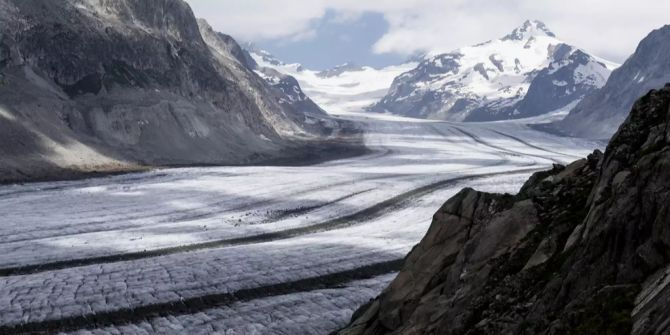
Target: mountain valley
point(158, 177)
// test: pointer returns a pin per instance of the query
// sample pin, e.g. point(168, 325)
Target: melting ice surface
point(229, 229)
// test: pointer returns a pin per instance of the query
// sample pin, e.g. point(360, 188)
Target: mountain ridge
point(490, 80)
point(93, 86)
point(599, 115)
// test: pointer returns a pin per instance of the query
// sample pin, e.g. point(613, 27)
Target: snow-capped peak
point(492, 80)
point(530, 28)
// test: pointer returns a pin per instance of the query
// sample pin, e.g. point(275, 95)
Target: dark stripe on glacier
point(338, 223)
point(198, 304)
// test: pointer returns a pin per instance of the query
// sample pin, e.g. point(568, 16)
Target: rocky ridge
point(582, 249)
point(106, 85)
point(285, 89)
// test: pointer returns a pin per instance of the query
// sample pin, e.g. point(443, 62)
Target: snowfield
point(351, 90)
point(247, 250)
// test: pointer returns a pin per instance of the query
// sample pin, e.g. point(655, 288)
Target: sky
point(324, 33)
point(334, 41)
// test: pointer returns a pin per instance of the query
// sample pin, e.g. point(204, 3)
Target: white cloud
point(610, 28)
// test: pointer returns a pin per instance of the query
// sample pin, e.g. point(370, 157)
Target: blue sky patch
point(335, 40)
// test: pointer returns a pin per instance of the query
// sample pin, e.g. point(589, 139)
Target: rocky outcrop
point(582, 249)
point(600, 114)
point(100, 85)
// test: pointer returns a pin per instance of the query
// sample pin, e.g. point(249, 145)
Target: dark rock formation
point(599, 115)
point(100, 85)
point(582, 249)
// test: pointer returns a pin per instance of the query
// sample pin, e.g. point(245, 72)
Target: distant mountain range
point(526, 73)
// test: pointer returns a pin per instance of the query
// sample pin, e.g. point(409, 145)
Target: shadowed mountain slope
point(90, 85)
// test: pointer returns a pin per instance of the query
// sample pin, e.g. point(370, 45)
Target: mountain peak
point(530, 28)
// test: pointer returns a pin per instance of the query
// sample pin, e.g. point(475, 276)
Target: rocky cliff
point(100, 85)
point(582, 249)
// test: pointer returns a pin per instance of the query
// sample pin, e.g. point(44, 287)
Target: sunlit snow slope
point(244, 250)
point(525, 73)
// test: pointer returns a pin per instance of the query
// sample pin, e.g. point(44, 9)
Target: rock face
point(529, 72)
point(92, 85)
point(582, 249)
point(284, 89)
point(599, 115)
point(291, 92)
